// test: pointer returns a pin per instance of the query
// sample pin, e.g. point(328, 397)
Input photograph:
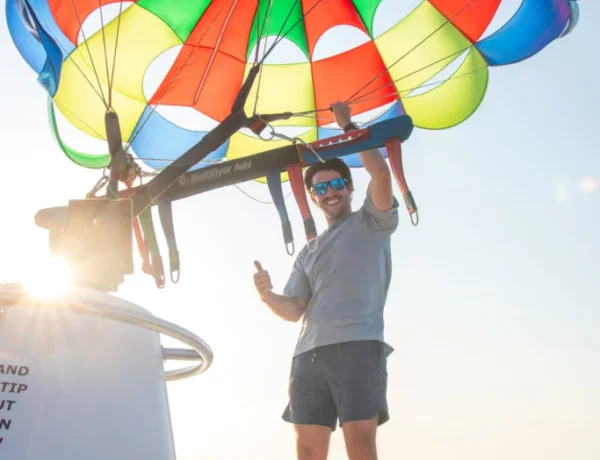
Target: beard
point(336, 206)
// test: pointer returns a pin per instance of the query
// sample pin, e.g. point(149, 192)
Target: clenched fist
point(262, 281)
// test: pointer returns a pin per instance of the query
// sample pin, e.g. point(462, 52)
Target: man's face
point(333, 203)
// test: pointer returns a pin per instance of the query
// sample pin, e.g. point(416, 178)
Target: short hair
point(334, 164)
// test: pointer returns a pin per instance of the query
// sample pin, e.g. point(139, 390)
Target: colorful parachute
point(171, 70)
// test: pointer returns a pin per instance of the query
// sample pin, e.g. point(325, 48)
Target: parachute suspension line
point(214, 52)
point(108, 82)
point(424, 85)
point(259, 37)
point(289, 15)
point(87, 47)
point(394, 151)
point(74, 115)
point(408, 90)
point(110, 75)
point(281, 37)
point(70, 57)
point(353, 99)
point(444, 24)
point(187, 59)
point(357, 99)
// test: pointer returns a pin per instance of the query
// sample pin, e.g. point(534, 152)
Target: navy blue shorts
point(345, 381)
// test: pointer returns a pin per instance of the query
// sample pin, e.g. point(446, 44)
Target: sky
point(494, 305)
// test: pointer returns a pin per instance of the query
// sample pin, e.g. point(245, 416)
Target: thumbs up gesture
point(262, 281)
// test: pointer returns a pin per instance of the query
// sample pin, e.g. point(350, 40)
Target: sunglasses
point(335, 184)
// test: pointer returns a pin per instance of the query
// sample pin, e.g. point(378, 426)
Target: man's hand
point(288, 308)
point(380, 186)
point(262, 281)
point(341, 110)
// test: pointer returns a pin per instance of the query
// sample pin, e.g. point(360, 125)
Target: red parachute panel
point(471, 17)
point(333, 82)
point(328, 14)
point(69, 14)
point(210, 68)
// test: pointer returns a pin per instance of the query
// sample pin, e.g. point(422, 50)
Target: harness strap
point(295, 175)
point(274, 183)
point(147, 225)
point(394, 151)
point(165, 211)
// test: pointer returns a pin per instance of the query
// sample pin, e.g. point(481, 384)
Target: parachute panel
point(181, 16)
point(78, 100)
point(470, 17)
point(420, 46)
point(274, 19)
point(209, 69)
point(139, 31)
point(71, 14)
point(158, 141)
point(295, 95)
point(535, 24)
point(332, 81)
point(453, 101)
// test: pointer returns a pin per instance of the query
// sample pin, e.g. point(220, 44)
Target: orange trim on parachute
point(471, 17)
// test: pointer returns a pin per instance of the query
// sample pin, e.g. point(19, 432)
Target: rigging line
point(187, 59)
point(61, 108)
point(426, 85)
point(112, 78)
point(287, 18)
point(89, 52)
point(105, 54)
point(70, 57)
point(259, 31)
point(448, 21)
point(361, 98)
point(456, 53)
point(281, 37)
point(214, 53)
point(256, 199)
point(260, 73)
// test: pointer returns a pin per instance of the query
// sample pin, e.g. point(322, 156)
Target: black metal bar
point(147, 194)
point(232, 172)
point(260, 164)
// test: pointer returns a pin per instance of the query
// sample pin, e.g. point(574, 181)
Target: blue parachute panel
point(37, 36)
point(531, 29)
point(161, 142)
point(31, 50)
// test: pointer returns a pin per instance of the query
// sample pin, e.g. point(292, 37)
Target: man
point(339, 366)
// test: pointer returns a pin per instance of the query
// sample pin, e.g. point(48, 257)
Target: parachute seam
point(138, 131)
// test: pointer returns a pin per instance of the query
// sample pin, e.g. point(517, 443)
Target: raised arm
point(380, 186)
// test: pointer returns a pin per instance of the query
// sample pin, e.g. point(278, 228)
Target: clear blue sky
point(494, 305)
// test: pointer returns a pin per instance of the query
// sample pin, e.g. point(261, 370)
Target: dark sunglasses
point(335, 184)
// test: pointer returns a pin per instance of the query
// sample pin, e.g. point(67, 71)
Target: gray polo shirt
point(346, 279)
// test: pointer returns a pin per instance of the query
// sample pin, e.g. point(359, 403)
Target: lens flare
point(48, 278)
point(588, 185)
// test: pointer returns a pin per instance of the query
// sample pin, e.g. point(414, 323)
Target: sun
point(47, 278)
